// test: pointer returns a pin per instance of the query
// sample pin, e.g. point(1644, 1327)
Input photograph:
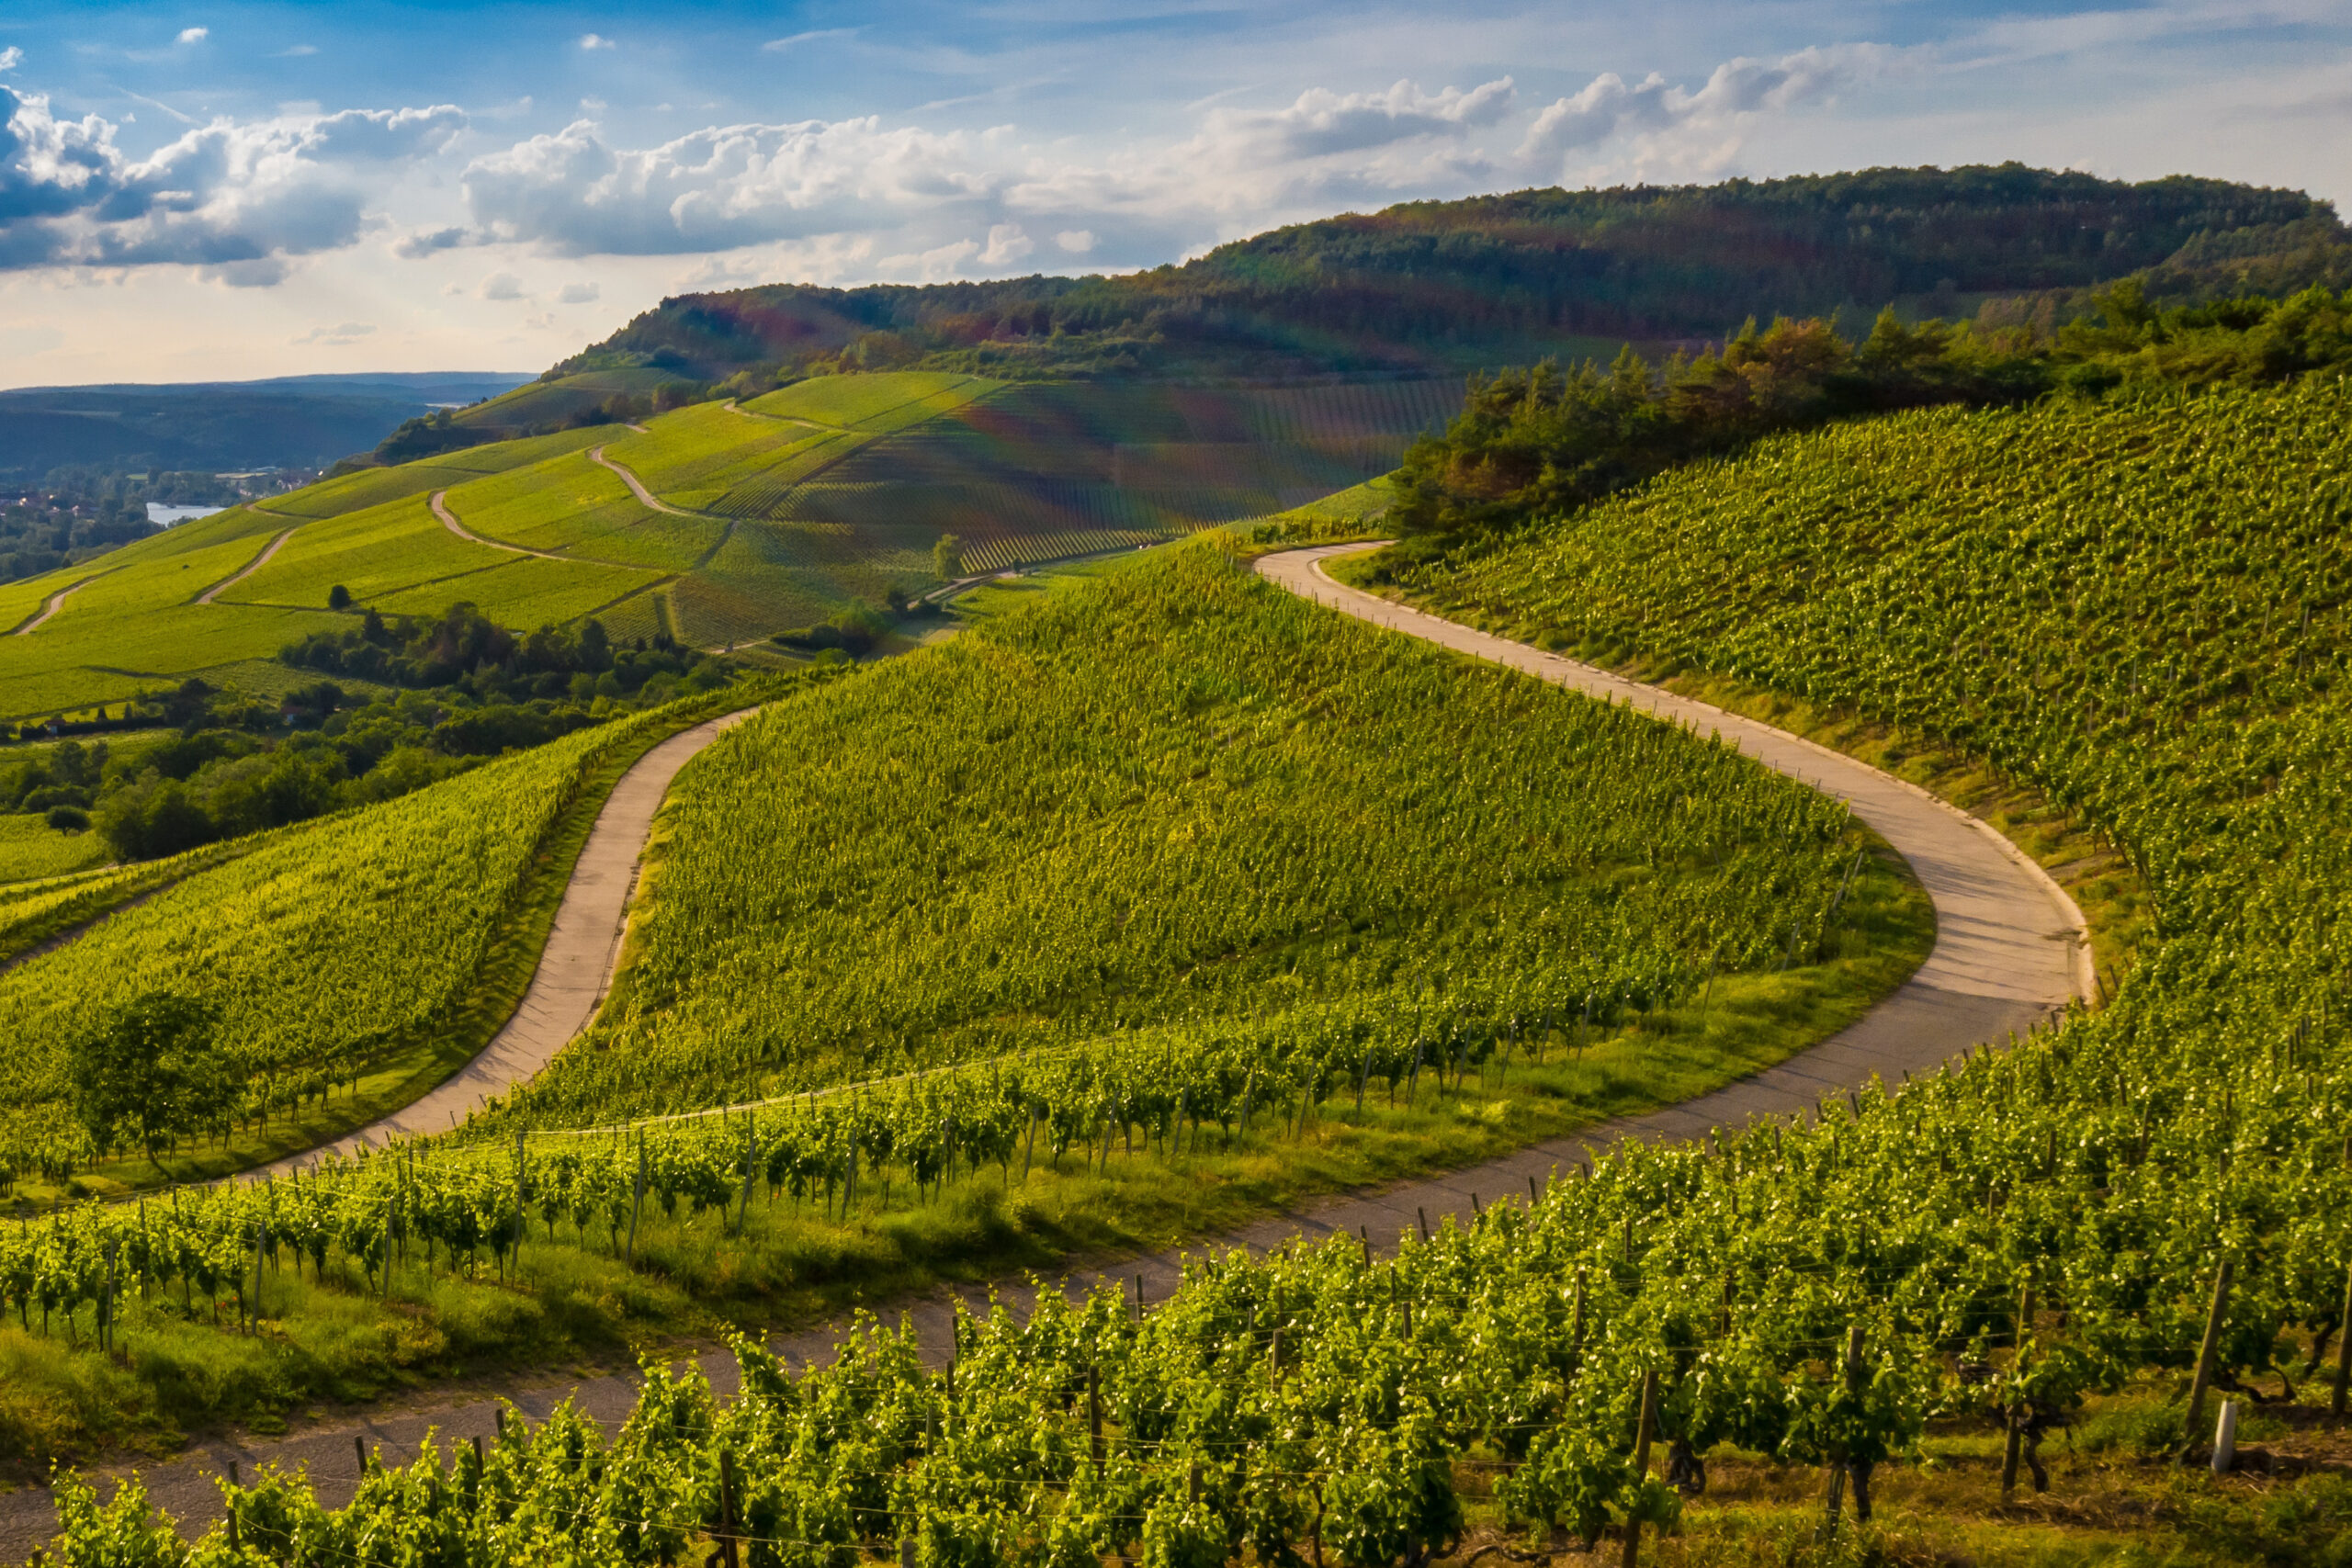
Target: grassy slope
point(1156, 797)
point(359, 944)
point(757, 560)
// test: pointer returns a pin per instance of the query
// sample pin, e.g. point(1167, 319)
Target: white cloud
point(781, 45)
point(295, 52)
point(235, 200)
point(577, 294)
point(1077, 241)
point(1736, 92)
point(572, 193)
point(594, 105)
point(596, 40)
point(11, 57)
point(349, 332)
point(194, 34)
point(1007, 244)
point(501, 286)
point(1321, 123)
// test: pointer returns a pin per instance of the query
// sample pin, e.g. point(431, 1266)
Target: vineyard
point(2139, 606)
point(821, 495)
point(1117, 809)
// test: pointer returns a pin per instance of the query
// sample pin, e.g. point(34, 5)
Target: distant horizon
point(262, 189)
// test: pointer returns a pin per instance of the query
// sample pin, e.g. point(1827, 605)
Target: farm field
point(332, 949)
point(1060, 894)
point(373, 553)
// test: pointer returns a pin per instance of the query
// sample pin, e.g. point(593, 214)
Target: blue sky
point(193, 191)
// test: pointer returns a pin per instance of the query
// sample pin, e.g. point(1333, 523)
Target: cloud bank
point(235, 200)
point(852, 197)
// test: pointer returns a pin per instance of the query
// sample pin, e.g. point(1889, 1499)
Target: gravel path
point(2011, 950)
point(57, 602)
point(249, 568)
point(576, 966)
point(449, 521)
point(636, 486)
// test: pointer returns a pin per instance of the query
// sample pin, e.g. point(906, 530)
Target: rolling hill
point(288, 421)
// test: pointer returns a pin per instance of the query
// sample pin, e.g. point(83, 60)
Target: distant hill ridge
point(1437, 288)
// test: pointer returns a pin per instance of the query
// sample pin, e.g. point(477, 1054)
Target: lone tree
point(339, 598)
point(948, 557)
point(148, 1074)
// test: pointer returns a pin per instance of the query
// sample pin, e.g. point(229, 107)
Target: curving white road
point(2011, 950)
point(249, 568)
point(636, 486)
point(575, 968)
point(57, 602)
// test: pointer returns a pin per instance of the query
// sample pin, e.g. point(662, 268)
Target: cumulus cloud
point(596, 40)
point(1321, 122)
point(964, 200)
point(349, 332)
point(235, 200)
point(501, 285)
point(1007, 244)
point(11, 57)
point(572, 193)
point(577, 294)
point(1609, 106)
point(194, 34)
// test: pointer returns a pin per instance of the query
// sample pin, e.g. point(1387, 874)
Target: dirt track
point(575, 968)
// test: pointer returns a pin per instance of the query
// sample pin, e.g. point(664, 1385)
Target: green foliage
point(1432, 286)
point(322, 948)
point(1536, 443)
point(148, 1074)
point(1117, 809)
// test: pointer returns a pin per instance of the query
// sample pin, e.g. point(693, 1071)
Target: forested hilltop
point(1441, 286)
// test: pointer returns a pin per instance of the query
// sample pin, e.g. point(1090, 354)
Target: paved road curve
point(2010, 949)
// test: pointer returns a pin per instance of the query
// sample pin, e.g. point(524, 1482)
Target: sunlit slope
point(1037, 472)
point(401, 559)
point(327, 948)
point(763, 516)
point(373, 487)
point(130, 622)
point(1172, 792)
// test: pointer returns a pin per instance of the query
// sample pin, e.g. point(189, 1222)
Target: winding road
point(2011, 949)
point(449, 521)
point(57, 602)
point(636, 486)
point(576, 967)
point(249, 568)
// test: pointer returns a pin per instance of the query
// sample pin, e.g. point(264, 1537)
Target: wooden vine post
point(1644, 1429)
point(2207, 1352)
point(2013, 1445)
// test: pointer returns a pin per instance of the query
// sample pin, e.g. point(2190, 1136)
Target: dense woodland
point(1534, 442)
point(463, 689)
point(1429, 287)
